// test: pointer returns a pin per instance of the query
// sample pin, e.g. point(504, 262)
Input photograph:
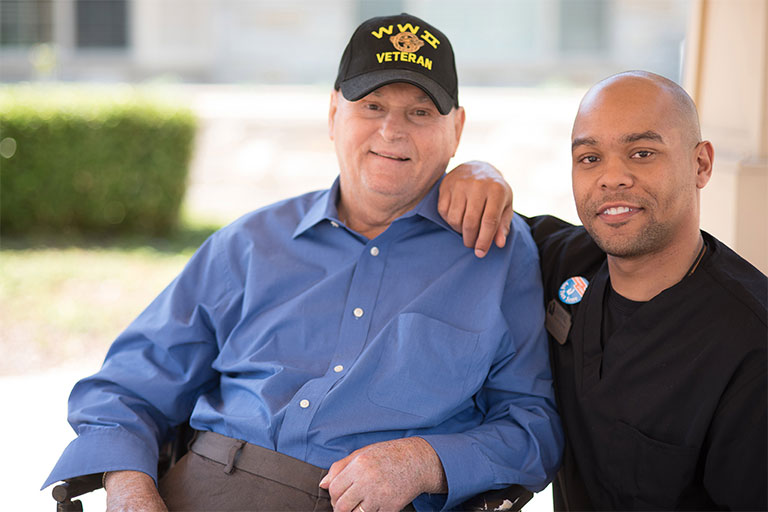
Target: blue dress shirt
point(290, 331)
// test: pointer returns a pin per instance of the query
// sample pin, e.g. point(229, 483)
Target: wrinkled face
point(392, 144)
point(634, 169)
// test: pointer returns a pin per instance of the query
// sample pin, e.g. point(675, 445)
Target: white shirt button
point(374, 251)
point(338, 368)
point(304, 404)
point(358, 312)
point(334, 224)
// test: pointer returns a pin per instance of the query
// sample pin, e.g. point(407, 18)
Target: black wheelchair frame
point(509, 499)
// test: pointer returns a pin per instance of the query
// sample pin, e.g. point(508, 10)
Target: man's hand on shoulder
point(385, 476)
point(129, 491)
point(477, 202)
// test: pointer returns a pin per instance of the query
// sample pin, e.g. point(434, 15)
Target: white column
point(727, 76)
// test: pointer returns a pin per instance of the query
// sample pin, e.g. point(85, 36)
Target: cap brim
point(355, 88)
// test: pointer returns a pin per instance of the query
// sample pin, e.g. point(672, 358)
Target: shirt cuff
point(465, 471)
point(97, 450)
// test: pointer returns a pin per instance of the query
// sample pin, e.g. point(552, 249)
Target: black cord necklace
point(698, 258)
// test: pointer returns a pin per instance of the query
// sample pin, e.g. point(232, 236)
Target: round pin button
point(304, 404)
point(358, 312)
point(573, 290)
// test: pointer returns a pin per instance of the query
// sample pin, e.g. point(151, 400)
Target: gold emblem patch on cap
point(406, 42)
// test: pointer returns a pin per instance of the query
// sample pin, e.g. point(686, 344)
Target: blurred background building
point(497, 42)
point(717, 49)
point(522, 64)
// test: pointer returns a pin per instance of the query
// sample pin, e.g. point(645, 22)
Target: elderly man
point(339, 349)
point(658, 330)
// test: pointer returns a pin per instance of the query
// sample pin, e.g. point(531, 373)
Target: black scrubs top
point(670, 412)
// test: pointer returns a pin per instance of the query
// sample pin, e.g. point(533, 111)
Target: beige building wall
point(727, 76)
point(172, 35)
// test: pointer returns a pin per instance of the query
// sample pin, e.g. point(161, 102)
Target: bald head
point(638, 165)
point(634, 86)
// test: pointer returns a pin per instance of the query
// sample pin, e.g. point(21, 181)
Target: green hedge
point(91, 160)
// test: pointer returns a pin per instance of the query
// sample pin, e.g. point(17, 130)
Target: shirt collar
point(324, 208)
point(427, 208)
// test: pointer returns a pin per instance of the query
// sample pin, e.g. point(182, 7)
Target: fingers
point(464, 212)
point(335, 485)
point(383, 477)
point(444, 200)
point(346, 493)
point(477, 202)
point(496, 219)
point(351, 500)
point(487, 231)
point(473, 217)
point(452, 196)
point(479, 217)
point(490, 218)
point(488, 214)
point(454, 213)
point(502, 233)
point(334, 470)
point(341, 498)
point(506, 217)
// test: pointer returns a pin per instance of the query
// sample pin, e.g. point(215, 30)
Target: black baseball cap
point(400, 48)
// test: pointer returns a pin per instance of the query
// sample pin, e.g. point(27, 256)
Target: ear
point(332, 112)
point(459, 116)
point(705, 157)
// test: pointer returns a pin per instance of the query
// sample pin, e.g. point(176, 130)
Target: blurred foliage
point(185, 239)
point(91, 161)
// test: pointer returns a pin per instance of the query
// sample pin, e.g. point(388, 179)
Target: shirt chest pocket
point(424, 367)
point(655, 473)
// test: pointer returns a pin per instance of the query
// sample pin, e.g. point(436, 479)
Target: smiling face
point(637, 166)
point(392, 146)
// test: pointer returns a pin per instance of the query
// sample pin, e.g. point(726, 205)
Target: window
point(583, 26)
point(370, 8)
point(102, 23)
point(26, 22)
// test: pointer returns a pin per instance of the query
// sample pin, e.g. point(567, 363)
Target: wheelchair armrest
point(72, 488)
point(511, 498)
point(170, 453)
